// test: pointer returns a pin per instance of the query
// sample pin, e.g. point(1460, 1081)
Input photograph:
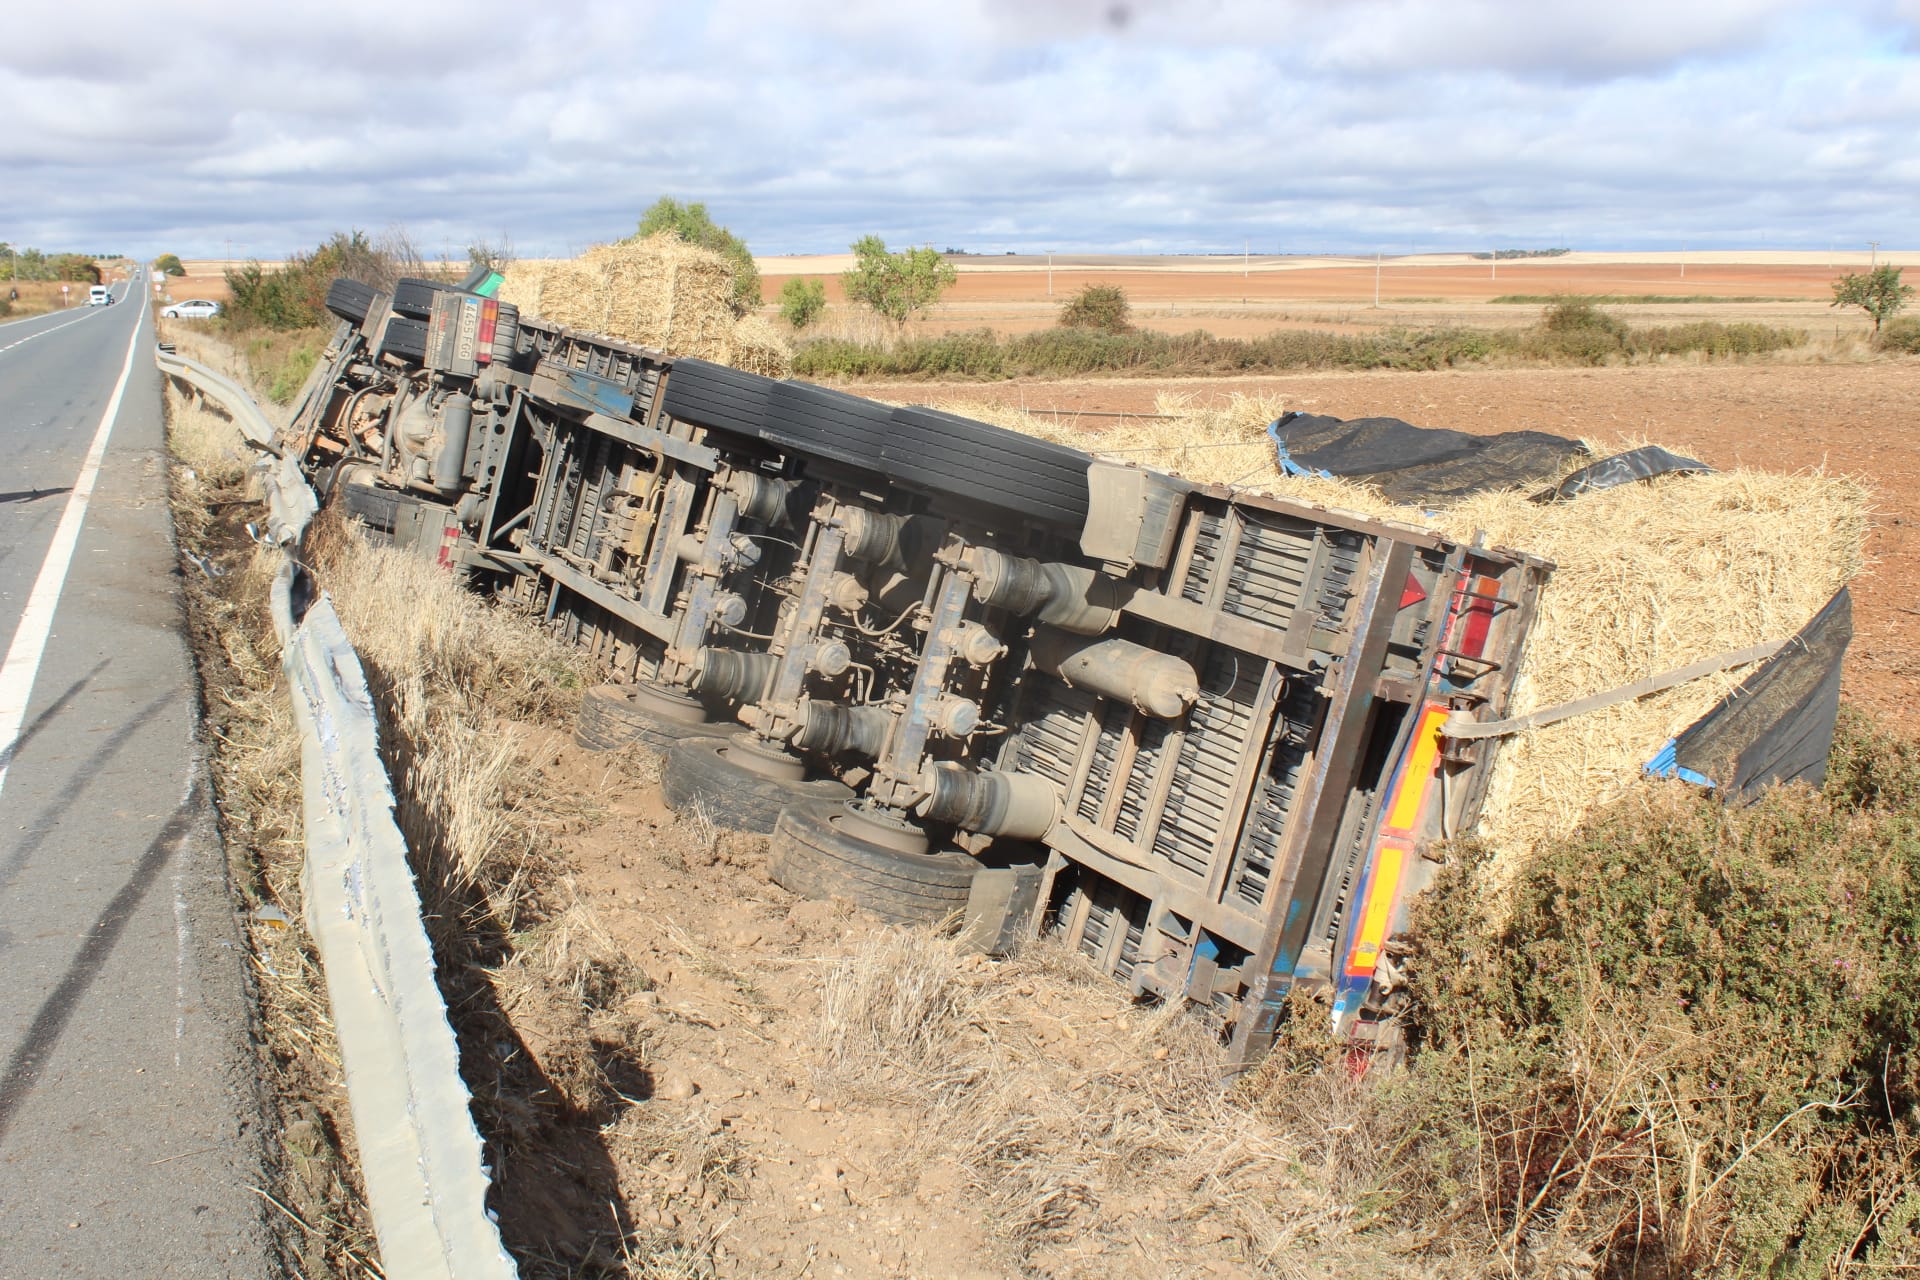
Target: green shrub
point(281, 359)
point(1689, 1034)
point(1098, 306)
point(295, 296)
point(1711, 338)
point(802, 301)
point(168, 264)
point(1579, 315)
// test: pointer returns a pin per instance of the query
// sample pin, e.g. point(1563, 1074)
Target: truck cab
point(99, 296)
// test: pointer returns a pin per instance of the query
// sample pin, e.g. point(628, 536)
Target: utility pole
point(1493, 268)
point(1875, 246)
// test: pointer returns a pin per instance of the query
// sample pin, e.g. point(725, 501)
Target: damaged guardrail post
point(421, 1156)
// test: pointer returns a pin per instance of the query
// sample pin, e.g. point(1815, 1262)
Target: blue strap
point(1288, 467)
point(1666, 764)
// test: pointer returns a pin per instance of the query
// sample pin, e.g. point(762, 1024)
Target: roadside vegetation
point(277, 317)
point(1684, 1042)
point(1569, 332)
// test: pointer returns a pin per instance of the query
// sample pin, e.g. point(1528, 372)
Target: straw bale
point(520, 283)
point(660, 292)
point(758, 347)
point(1648, 577)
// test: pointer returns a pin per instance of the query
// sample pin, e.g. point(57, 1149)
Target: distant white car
point(191, 309)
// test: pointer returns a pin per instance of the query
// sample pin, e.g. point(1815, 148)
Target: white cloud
point(988, 124)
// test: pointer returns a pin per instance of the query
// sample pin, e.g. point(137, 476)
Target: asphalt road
point(129, 1104)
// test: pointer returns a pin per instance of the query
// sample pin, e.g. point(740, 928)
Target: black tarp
point(1418, 464)
point(1778, 725)
point(1643, 463)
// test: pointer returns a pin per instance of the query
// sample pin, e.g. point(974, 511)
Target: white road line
point(22, 663)
point(44, 332)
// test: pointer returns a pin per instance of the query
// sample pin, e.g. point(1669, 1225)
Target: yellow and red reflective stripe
point(1377, 912)
point(1410, 789)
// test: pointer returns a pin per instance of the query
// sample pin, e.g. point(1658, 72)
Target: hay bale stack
point(659, 292)
point(520, 283)
point(756, 346)
point(1649, 577)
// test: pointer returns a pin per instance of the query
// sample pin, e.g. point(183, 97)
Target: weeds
point(1901, 335)
point(1571, 330)
point(1688, 1043)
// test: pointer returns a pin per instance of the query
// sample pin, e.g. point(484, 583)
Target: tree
point(1878, 292)
point(1098, 306)
point(494, 255)
point(897, 285)
point(168, 264)
point(76, 267)
point(692, 223)
point(802, 300)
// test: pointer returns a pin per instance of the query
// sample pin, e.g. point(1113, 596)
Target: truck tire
point(351, 300)
point(373, 506)
point(406, 338)
point(413, 297)
point(609, 719)
point(815, 858)
point(808, 420)
point(714, 396)
point(948, 454)
point(699, 775)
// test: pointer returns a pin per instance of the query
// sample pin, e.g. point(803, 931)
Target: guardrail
point(420, 1154)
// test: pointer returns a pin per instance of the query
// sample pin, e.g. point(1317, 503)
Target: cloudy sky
point(204, 127)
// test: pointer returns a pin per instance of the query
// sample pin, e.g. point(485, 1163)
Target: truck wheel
point(804, 419)
point(351, 300)
point(716, 396)
point(816, 856)
point(613, 715)
point(413, 297)
point(405, 338)
point(946, 453)
point(702, 774)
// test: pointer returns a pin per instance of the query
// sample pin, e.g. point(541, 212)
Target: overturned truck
point(955, 672)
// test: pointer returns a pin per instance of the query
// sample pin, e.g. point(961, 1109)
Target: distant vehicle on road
point(99, 296)
point(192, 309)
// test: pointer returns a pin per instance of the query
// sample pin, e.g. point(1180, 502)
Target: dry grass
point(1649, 577)
point(1074, 1113)
point(453, 673)
point(659, 292)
